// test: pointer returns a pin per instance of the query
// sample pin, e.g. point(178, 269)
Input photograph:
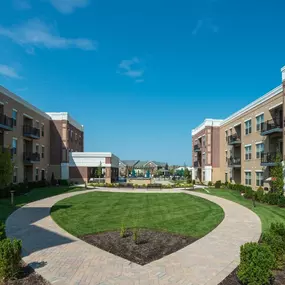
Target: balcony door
point(1, 108)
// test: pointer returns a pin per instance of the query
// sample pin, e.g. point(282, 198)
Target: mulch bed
point(27, 276)
point(233, 280)
point(152, 245)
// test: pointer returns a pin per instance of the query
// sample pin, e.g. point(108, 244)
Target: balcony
point(31, 157)
point(31, 132)
point(271, 127)
point(270, 158)
point(197, 147)
point(234, 140)
point(234, 162)
point(6, 122)
point(197, 164)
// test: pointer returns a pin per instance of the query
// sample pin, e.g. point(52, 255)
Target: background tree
point(99, 170)
point(166, 166)
point(6, 168)
point(277, 176)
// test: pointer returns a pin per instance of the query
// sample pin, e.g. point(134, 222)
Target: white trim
point(259, 114)
point(283, 73)
point(247, 170)
point(64, 116)
point(259, 171)
point(246, 145)
point(259, 142)
point(206, 123)
point(43, 145)
point(275, 106)
point(247, 120)
point(13, 138)
point(255, 103)
point(18, 99)
point(25, 115)
point(1, 103)
point(15, 110)
point(237, 124)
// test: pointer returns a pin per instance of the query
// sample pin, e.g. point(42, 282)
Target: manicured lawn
point(98, 212)
point(266, 213)
point(7, 209)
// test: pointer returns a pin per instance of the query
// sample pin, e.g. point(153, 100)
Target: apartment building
point(40, 143)
point(206, 150)
point(250, 142)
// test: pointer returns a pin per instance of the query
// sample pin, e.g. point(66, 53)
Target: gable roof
point(130, 163)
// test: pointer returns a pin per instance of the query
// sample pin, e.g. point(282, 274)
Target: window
point(226, 135)
point(14, 145)
point(37, 148)
point(43, 174)
point(247, 178)
point(71, 135)
point(204, 158)
point(226, 155)
point(14, 116)
point(75, 136)
point(15, 175)
point(231, 132)
point(259, 121)
point(37, 174)
point(203, 140)
point(43, 151)
point(43, 130)
point(259, 149)
point(259, 178)
point(37, 124)
point(248, 152)
point(247, 127)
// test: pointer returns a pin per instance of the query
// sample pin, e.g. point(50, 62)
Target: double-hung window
point(247, 127)
point(259, 122)
point(259, 149)
point(259, 178)
point(248, 152)
point(247, 178)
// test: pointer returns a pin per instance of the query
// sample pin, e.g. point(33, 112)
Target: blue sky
point(141, 74)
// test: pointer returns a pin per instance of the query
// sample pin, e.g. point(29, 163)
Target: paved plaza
point(66, 260)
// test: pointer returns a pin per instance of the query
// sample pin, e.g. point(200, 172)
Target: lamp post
point(12, 197)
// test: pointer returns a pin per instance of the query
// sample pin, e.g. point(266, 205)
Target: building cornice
point(64, 116)
point(283, 73)
point(206, 123)
point(254, 104)
point(23, 102)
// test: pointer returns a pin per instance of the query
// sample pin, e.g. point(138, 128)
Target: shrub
point(277, 246)
point(272, 198)
point(136, 235)
point(63, 182)
point(278, 228)
point(210, 183)
point(249, 193)
point(2, 231)
point(10, 258)
point(218, 184)
point(256, 262)
point(281, 202)
point(259, 194)
point(123, 231)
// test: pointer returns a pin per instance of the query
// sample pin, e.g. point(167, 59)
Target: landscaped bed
point(163, 222)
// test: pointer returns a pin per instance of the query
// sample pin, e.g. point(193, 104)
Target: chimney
point(283, 73)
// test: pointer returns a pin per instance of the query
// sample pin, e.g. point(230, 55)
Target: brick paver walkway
point(63, 259)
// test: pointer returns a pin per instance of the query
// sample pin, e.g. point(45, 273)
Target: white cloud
point(37, 34)
point(132, 68)
point(68, 6)
point(8, 71)
point(22, 4)
point(205, 24)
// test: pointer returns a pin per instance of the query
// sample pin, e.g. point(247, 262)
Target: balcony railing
point(197, 164)
point(6, 122)
point(197, 147)
point(234, 162)
point(31, 157)
point(270, 158)
point(271, 126)
point(234, 139)
point(31, 132)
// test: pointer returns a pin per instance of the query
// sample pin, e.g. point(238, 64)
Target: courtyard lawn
point(266, 213)
point(99, 212)
point(7, 209)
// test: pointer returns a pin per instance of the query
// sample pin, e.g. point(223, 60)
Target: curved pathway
point(64, 259)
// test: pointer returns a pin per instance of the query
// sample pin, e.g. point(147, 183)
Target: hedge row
point(258, 260)
point(143, 186)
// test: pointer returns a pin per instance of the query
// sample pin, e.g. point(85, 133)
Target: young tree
point(99, 170)
point(6, 168)
point(277, 176)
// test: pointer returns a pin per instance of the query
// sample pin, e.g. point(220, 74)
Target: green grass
point(7, 209)
point(266, 213)
point(98, 212)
